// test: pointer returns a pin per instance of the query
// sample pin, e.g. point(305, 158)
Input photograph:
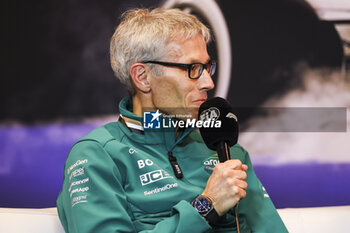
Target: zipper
point(176, 167)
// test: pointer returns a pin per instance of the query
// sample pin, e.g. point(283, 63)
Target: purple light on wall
point(32, 161)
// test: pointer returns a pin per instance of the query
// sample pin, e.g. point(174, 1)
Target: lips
point(200, 101)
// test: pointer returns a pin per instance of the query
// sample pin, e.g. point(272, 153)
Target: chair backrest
point(317, 219)
point(297, 220)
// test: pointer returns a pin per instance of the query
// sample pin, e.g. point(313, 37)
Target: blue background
point(32, 160)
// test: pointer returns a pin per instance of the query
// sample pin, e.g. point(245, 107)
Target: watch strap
point(212, 216)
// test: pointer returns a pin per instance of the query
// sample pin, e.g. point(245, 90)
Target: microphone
point(221, 138)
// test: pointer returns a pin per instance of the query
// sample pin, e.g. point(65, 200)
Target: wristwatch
point(205, 207)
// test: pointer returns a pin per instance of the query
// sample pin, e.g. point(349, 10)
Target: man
point(122, 177)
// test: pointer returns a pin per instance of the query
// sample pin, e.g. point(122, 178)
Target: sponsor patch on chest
point(210, 163)
point(154, 176)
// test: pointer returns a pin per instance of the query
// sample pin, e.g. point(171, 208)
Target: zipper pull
point(176, 167)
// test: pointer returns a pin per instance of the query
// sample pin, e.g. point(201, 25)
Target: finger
point(242, 184)
point(233, 164)
point(233, 174)
point(238, 174)
point(242, 193)
point(244, 167)
point(239, 192)
point(242, 175)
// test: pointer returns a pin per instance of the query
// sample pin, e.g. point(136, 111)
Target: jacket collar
point(134, 129)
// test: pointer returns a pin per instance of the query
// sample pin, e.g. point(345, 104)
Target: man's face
point(174, 92)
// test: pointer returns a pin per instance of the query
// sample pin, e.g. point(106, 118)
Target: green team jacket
point(116, 180)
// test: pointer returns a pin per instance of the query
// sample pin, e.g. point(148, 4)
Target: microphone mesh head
point(218, 109)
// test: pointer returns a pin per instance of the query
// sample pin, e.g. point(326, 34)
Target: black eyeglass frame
point(211, 64)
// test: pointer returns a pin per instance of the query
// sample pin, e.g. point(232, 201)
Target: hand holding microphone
point(227, 185)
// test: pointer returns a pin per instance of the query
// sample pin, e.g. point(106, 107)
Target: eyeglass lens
point(196, 70)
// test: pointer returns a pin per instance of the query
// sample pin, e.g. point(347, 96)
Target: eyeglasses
point(195, 70)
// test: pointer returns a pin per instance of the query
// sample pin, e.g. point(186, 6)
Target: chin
point(193, 112)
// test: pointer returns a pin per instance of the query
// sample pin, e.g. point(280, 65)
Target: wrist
point(204, 205)
point(214, 203)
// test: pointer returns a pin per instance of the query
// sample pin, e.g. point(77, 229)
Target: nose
point(205, 81)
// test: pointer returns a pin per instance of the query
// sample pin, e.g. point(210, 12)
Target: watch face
point(202, 205)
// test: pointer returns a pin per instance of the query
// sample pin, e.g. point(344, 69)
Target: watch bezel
point(203, 205)
point(210, 214)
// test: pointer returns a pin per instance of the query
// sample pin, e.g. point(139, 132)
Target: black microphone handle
point(223, 149)
point(224, 153)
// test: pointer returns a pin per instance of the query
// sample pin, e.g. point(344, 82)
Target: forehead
point(188, 50)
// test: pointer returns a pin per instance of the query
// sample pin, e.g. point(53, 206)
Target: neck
point(140, 102)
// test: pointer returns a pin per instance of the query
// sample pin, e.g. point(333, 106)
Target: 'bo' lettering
point(142, 163)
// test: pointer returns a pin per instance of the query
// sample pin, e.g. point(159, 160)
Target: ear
point(139, 74)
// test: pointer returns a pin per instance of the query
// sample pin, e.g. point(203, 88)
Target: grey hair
point(145, 34)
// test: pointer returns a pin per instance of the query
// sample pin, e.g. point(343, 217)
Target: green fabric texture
point(116, 180)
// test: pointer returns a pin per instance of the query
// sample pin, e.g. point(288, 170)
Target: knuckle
point(245, 175)
point(235, 190)
point(245, 185)
point(244, 194)
point(218, 167)
point(227, 173)
point(237, 162)
point(231, 182)
point(242, 175)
